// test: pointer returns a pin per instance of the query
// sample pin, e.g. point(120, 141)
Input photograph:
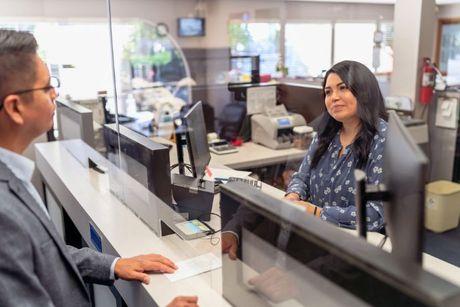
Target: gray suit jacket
point(36, 267)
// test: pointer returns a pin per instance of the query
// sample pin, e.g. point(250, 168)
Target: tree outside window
point(256, 38)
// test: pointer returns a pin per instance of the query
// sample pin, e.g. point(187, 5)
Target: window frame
point(441, 23)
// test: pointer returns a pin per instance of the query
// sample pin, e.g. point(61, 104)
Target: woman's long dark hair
point(364, 86)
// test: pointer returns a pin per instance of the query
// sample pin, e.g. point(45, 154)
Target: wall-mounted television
point(190, 27)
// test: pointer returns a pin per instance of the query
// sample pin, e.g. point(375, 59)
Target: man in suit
point(36, 267)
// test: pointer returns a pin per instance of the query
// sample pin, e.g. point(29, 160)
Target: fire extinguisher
point(428, 78)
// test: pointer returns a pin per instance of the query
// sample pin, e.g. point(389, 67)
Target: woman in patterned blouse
point(351, 135)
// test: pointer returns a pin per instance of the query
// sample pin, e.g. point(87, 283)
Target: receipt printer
point(193, 196)
point(273, 128)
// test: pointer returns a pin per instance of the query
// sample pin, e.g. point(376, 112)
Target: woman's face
point(340, 102)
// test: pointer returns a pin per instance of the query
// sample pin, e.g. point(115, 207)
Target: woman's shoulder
point(380, 135)
point(382, 127)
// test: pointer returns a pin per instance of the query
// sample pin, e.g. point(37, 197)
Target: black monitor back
point(197, 142)
point(153, 156)
point(405, 169)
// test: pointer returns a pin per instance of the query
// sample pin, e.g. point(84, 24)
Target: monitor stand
point(364, 193)
point(193, 196)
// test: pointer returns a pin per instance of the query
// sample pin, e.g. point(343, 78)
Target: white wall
point(152, 10)
point(218, 12)
point(338, 11)
point(449, 11)
point(414, 24)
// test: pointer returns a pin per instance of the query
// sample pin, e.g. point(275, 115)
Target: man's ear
point(13, 107)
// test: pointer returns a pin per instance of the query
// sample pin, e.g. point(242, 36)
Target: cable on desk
point(213, 240)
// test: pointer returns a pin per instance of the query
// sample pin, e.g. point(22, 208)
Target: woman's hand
point(292, 197)
point(309, 207)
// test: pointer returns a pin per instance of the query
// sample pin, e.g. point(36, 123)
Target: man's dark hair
point(364, 86)
point(17, 61)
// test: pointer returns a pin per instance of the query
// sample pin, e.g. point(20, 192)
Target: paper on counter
point(260, 98)
point(224, 173)
point(195, 266)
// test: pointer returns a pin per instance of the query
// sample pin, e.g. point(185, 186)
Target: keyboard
point(223, 149)
point(252, 182)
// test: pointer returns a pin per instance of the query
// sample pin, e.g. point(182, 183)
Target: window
point(311, 48)
point(448, 46)
point(308, 48)
point(354, 41)
point(82, 71)
point(256, 38)
point(79, 54)
point(386, 50)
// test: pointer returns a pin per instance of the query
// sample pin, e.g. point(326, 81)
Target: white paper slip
point(195, 266)
point(260, 98)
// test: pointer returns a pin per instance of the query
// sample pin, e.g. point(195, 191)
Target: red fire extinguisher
point(428, 78)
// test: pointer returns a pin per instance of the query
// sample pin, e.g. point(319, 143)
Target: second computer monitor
point(74, 122)
point(197, 142)
point(141, 158)
point(405, 167)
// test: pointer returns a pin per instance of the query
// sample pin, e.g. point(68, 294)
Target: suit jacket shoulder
point(35, 260)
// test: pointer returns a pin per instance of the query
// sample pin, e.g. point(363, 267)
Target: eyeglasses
point(53, 86)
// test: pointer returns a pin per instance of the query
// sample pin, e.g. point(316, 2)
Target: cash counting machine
point(273, 128)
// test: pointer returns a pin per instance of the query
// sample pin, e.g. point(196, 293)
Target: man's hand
point(134, 268)
point(229, 245)
point(184, 301)
point(277, 285)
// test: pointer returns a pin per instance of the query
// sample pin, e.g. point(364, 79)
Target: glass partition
point(131, 71)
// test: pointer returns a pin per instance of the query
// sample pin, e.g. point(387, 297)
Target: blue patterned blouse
point(330, 184)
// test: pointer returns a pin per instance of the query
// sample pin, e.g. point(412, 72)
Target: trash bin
point(442, 205)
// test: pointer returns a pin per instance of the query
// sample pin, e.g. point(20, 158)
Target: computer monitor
point(304, 99)
point(402, 190)
point(190, 27)
point(289, 257)
point(141, 158)
point(405, 170)
point(74, 122)
point(197, 142)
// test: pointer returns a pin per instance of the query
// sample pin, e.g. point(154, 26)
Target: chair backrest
point(231, 120)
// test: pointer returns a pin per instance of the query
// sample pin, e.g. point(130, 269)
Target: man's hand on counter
point(136, 268)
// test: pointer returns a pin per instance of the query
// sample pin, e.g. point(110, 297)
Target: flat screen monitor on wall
point(190, 27)
point(74, 122)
